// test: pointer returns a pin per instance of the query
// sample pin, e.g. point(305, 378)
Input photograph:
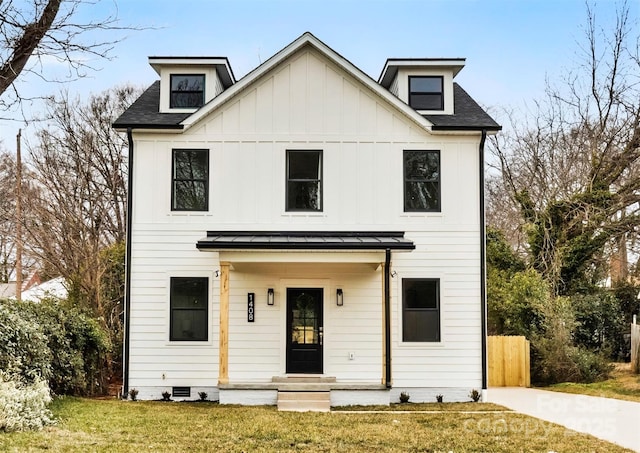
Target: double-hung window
point(187, 91)
point(425, 92)
point(190, 181)
point(304, 180)
point(420, 309)
point(421, 181)
point(189, 306)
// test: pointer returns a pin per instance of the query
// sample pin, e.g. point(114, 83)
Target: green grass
point(623, 385)
point(121, 426)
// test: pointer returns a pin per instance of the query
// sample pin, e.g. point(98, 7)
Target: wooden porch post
point(223, 352)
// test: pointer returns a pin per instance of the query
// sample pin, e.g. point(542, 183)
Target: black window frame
point(406, 180)
point(175, 180)
point(418, 93)
point(172, 309)
point(293, 180)
point(409, 336)
point(189, 92)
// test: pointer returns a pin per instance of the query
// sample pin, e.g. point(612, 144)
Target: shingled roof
point(145, 113)
point(468, 115)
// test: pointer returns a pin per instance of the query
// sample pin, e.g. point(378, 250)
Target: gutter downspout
point(483, 268)
point(127, 271)
point(387, 319)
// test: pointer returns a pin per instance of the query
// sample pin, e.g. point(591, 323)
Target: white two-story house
point(305, 224)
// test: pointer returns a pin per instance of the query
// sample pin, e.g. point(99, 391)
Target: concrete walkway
point(613, 420)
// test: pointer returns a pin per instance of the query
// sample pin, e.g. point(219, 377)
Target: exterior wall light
point(339, 298)
point(270, 297)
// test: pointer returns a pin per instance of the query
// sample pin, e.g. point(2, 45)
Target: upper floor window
point(420, 309)
point(187, 91)
point(425, 92)
point(304, 181)
point(190, 185)
point(189, 302)
point(421, 181)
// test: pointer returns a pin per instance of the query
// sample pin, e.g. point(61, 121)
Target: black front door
point(304, 330)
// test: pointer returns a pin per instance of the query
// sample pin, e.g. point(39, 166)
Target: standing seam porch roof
point(304, 240)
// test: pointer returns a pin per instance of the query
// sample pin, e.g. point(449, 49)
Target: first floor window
point(421, 181)
point(421, 309)
point(189, 302)
point(304, 181)
point(190, 191)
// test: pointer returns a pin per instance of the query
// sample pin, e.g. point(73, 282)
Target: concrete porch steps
point(304, 401)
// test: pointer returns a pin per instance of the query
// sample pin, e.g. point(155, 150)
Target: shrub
point(24, 352)
point(554, 356)
point(133, 393)
point(203, 396)
point(23, 406)
point(439, 398)
point(600, 323)
point(166, 396)
point(404, 397)
point(475, 395)
point(53, 341)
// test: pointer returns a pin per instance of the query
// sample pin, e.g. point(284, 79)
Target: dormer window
point(426, 92)
point(187, 91)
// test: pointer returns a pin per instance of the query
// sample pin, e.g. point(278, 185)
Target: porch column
point(387, 317)
point(223, 350)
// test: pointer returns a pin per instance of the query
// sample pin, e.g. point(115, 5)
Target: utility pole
point(18, 218)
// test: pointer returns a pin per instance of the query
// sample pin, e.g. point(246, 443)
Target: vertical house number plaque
point(251, 307)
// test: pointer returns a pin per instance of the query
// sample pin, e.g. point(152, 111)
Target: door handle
point(320, 335)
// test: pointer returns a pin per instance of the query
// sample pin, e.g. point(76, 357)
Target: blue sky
point(511, 46)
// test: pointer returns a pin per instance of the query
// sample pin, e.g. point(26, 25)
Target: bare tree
point(31, 30)
point(572, 176)
point(79, 163)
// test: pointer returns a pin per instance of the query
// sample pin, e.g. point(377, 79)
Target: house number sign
point(251, 307)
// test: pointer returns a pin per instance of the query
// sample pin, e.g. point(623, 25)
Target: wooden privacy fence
point(509, 362)
point(635, 346)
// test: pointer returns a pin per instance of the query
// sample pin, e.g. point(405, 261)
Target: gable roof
point(144, 113)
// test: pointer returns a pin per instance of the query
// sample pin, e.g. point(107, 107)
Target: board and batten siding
point(307, 102)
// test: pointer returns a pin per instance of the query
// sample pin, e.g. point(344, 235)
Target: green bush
point(24, 351)
point(600, 324)
point(555, 358)
point(56, 342)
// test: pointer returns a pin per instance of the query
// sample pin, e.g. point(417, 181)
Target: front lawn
point(118, 426)
point(623, 385)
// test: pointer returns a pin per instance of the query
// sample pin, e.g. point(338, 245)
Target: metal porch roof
point(304, 240)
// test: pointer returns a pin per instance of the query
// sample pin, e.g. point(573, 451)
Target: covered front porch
point(304, 312)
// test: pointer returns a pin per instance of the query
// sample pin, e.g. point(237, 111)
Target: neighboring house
point(54, 288)
point(305, 221)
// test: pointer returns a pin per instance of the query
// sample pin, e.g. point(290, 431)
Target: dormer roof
point(392, 65)
point(223, 68)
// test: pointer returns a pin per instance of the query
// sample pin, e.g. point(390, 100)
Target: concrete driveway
point(613, 420)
